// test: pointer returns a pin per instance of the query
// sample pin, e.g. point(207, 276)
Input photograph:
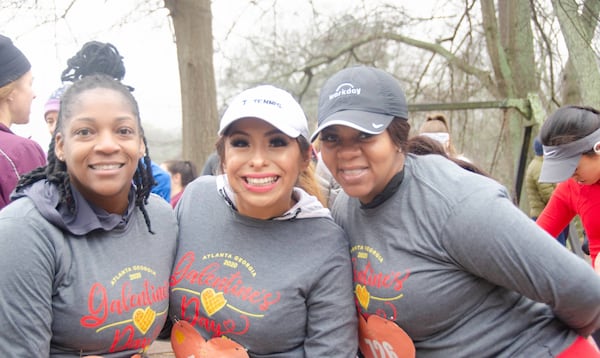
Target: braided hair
point(87, 77)
point(94, 57)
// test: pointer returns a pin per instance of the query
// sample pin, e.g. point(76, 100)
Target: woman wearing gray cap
point(18, 155)
point(438, 250)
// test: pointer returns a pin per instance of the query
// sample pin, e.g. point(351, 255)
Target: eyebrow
point(268, 134)
point(91, 119)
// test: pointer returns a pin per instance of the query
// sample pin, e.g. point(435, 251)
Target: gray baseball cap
point(361, 97)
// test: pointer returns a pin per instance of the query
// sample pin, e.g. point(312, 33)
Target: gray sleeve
point(491, 238)
point(332, 317)
point(27, 265)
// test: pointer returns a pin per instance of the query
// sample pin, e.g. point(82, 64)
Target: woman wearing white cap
point(438, 250)
point(260, 260)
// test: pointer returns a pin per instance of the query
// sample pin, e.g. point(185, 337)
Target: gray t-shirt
point(100, 293)
point(463, 271)
point(280, 288)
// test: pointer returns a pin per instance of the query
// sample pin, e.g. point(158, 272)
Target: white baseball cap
point(271, 104)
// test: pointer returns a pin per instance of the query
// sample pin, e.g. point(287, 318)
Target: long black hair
point(96, 65)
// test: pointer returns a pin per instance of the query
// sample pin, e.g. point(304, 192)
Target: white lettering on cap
point(345, 89)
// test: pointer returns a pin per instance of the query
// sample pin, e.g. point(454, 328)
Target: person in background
point(85, 251)
point(182, 173)
point(571, 140)
point(461, 278)
point(212, 164)
point(52, 107)
point(162, 182)
point(92, 58)
point(436, 127)
point(261, 261)
point(18, 155)
point(538, 194)
point(423, 145)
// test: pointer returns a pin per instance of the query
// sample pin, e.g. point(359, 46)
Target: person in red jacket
point(571, 142)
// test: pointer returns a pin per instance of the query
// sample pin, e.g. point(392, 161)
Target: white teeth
point(261, 181)
point(107, 166)
point(352, 172)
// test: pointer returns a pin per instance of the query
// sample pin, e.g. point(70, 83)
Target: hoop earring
point(597, 147)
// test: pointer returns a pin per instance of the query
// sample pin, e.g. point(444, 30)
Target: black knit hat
point(13, 64)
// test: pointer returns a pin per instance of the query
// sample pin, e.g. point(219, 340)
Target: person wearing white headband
point(436, 127)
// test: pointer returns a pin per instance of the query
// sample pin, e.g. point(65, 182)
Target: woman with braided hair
point(103, 57)
point(85, 263)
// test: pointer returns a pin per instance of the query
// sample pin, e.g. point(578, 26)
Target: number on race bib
point(380, 349)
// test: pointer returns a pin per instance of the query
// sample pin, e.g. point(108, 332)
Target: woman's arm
point(27, 265)
point(332, 317)
point(558, 213)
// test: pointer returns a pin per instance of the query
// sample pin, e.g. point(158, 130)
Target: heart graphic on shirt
point(363, 295)
point(212, 301)
point(143, 319)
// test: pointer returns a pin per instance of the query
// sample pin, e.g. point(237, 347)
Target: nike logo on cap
point(376, 126)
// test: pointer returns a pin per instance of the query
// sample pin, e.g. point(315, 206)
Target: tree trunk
point(510, 47)
point(578, 31)
point(192, 21)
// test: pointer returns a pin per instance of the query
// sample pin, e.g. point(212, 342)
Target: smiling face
point(101, 144)
point(262, 166)
point(588, 169)
point(361, 163)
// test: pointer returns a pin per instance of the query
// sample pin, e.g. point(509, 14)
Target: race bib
point(187, 342)
point(381, 338)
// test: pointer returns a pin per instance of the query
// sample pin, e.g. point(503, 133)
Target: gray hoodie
point(84, 283)
point(279, 287)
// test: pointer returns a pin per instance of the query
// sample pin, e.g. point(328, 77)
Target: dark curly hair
point(96, 65)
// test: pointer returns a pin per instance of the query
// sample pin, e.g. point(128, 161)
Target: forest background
point(496, 69)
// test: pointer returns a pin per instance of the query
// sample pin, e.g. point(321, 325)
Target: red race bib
point(187, 342)
point(381, 338)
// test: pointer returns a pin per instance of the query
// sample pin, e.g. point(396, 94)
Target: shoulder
point(437, 178)
point(22, 219)
point(202, 189)
point(21, 209)
point(23, 148)
point(156, 204)
point(202, 183)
